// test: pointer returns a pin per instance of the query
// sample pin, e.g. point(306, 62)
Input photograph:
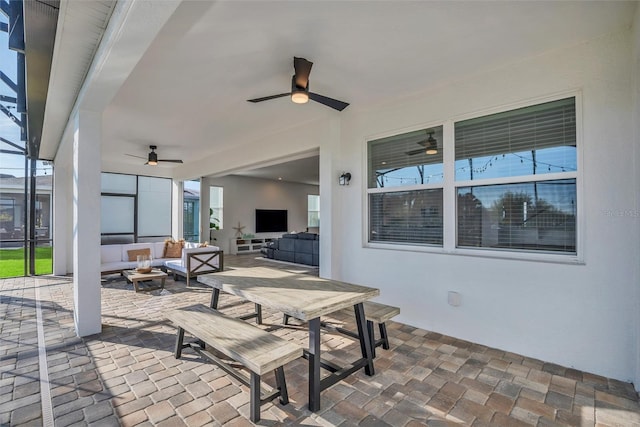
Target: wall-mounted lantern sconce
point(344, 178)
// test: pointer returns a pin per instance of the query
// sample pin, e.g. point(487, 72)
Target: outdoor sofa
point(194, 260)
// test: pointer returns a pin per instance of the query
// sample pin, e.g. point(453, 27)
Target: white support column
point(86, 222)
point(177, 196)
point(62, 174)
point(330, 204)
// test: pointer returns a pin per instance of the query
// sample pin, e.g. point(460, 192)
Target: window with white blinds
point(398, 214)
point(514, 175)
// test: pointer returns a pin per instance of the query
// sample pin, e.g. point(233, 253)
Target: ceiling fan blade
point(170, 161)
point(414, 152)
point(303, 69)
point(266, 98)
point(133, 155)
point(329, 102)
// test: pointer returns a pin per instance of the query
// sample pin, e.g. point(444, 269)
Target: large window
point(405, 188)
point(135, 208)
point(514, 175)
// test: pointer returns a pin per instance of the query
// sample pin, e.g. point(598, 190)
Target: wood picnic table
point(306, 298)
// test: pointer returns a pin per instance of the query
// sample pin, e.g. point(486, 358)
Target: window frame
point(220, 209)
point(309, 211)
point(137, 238)
point(450, 189)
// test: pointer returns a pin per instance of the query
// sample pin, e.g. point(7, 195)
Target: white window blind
point(528, 141)
point(406, 217)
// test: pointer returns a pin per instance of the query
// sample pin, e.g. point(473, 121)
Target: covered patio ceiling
point(187, 91)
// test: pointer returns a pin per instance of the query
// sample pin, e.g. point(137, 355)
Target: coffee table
point(134, 277)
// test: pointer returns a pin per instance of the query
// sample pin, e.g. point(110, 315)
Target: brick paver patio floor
point(127, 375)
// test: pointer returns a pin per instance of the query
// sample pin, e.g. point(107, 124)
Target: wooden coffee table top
point(134, 276)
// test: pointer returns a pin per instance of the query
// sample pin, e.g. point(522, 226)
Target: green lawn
point(12, 261)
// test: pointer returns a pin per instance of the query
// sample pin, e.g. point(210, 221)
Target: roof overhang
point(40, 23)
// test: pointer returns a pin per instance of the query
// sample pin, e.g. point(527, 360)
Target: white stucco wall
point(578, 315)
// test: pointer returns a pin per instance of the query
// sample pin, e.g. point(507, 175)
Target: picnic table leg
point(215, 293)
point(179, 340)
point(282, 385)
point(365, 342)
point(372, 337)
point(258, 314)
point(385, 337)
point(314, 364)
point(254, 401)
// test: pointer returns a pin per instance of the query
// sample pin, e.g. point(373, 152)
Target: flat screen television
point(271, 220)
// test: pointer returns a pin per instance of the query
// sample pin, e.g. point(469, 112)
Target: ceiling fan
point(152, 158)
point(430, 145)
point(300, 88)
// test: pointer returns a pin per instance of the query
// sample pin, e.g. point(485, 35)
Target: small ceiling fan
point(300, 88)
point(152, 158)
point(430, 145)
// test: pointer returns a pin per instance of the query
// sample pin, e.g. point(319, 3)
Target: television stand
point(238, 246)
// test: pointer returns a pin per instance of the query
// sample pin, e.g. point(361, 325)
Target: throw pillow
point(173, 249)
point(203, 245)
point(133, 253)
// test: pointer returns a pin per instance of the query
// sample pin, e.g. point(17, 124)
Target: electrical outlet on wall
point(454, 299)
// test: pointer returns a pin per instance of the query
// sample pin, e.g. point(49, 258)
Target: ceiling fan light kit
point(153, 157)
point(432, 145)
point(300, 97)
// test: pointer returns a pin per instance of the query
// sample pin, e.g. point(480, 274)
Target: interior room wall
point(577, 314)
point(243, 195)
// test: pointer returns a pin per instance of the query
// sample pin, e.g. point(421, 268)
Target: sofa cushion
point(158, 250)
point(176, 264)
point(133, 253)
point(117, 266)
point(304, 246)
point(303, 258)
point(290, 236)
point(307, 236)
point(110, 253)
point(173, 249)
point(287, 245)
point(133, 246)
point(284, 255)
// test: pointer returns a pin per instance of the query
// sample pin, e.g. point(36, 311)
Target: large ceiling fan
point(300, 88)
point(430, 145)
point(152, 157)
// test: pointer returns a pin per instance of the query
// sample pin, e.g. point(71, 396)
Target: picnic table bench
point(255, 349)
point(374, 312)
